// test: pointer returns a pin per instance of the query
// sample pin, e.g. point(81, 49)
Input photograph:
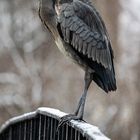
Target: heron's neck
point(53, 30)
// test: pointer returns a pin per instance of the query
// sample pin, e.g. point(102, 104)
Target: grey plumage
point(91, 30)
point(81, 26)
point(80, 33)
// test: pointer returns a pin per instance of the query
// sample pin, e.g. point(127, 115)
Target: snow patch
point(86, 129)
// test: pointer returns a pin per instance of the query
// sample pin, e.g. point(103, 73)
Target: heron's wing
point(81, 26)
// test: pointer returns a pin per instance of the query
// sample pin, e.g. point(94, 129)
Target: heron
point(80, 34)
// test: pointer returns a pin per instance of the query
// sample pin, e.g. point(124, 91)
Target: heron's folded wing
point(81, 27)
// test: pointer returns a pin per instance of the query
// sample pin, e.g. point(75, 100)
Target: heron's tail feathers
point(106, 80)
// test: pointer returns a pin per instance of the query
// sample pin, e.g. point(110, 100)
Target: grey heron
point(80, 33)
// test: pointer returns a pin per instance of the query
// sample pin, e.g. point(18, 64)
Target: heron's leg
point(80, 108)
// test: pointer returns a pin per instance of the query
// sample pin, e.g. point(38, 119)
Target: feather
point(84, 47)
point(89, 42)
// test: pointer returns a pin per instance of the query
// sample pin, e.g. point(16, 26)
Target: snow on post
point(88, 131)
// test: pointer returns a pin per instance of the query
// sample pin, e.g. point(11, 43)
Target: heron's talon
point(66, 119)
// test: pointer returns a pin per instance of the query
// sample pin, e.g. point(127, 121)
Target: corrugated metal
point(41, 125)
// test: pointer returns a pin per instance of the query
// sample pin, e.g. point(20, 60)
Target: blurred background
point(33, 73)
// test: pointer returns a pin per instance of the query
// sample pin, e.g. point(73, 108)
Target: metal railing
point(42, 124)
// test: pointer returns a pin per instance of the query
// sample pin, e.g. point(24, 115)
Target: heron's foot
point(66, 119)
